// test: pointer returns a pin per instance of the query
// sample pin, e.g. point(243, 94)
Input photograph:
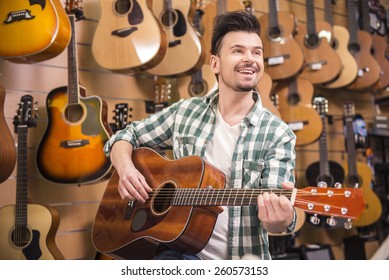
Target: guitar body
point(322, 63)
point(295, 106)
point(200, 85)
point(265, 86)
point(373, 207)
point(284, 47)
point(379, 47)
point(121, 37)
point(336, 174)
point(211, 10)
point(368, 68)
point(34, 30)
point(7, 144)
point(71, 150)
point(185, 52)
point(349, 69)
point(135, 231)
point(42, 226)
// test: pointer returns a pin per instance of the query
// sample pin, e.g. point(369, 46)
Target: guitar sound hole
point(169, 18)
point(274, 32)
point(354, 181)
point(198, 88)
point(354, 48)
point(312, 40)
point(21, 236)
point(293, 98)
point(74, 113)
point(163, 199)
point(122, 6)
point(326, 178)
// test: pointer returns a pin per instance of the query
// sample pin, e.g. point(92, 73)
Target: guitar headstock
point(349, 110)
point(320, 103)
point(335, 202)
point(121, 116)
point(74, 7)
point(26, 113)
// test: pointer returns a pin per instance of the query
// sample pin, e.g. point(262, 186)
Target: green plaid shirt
point(264, 156)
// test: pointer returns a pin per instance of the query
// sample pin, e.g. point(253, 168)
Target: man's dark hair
point(239, 20)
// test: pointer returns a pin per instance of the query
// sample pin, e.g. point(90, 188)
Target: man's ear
point(215, 63)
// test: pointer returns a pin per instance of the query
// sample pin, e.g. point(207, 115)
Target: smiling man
point(231, 130)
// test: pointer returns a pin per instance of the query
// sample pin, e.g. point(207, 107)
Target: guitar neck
point(273, 16)
point(21, 181)
point(323, 149)
point(221, 7)
point(350, 144)
point(73, 81)
point(328, 16)
point(351, 21)
point(311, 22)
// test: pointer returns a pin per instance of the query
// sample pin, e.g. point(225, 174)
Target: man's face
point(239, 62)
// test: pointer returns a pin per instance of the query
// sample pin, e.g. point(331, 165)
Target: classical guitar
point(71, 150)
point(185, 52)
point(182, 209)
point(379, 44)
point(211, 10)
point(295, 106)
point(283, 56)
point(33, 30)
point(339, 39)
point(125, 31)
point(203, 80)
point(321, 62)
point(359, 175)
point(27, 230)
point(359, 46)
point(7, 143)
point(324, 170)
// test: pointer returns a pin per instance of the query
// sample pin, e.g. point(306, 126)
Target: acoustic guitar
point(379, 43)
point(33, 30)
point(283, 56)
point(128, 37)
point(7, 144)
point(182, 209)
point(360, 46)
point(71, 150)
point(185, 52)
point(295, 106)
point(27, 230)
point(321, 62)
point(359, 174)
point(211, 10)
point(339, 39)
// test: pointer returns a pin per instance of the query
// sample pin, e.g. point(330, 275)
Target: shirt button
point(205, 141)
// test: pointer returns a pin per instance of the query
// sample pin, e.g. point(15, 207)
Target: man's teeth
point(246, 72)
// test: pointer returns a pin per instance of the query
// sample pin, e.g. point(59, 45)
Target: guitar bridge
point(18, 15)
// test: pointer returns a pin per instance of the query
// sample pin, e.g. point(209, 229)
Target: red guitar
point(182, 209)
point(71, 150)
point(27, 230)
point(32, 31)
point(283, 57)
point(7, 144)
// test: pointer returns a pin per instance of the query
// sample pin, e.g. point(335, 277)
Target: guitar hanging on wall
point(182, 209)
point(71, 150)
point(27, 230)
point(7, 144)
point(359, 175)
point(128, 37)
point(32, 30)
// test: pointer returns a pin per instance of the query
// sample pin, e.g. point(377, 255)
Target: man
point(230, 129)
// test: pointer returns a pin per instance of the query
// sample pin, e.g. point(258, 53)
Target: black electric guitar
point(71, 150)
point(27, 231)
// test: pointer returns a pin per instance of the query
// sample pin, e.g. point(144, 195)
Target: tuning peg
point(348, 225)
point(314, 219)
point(338, 185)
point(331, 221)
point(322, 184)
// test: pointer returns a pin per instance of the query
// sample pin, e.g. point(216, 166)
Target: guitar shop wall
point(142, 91)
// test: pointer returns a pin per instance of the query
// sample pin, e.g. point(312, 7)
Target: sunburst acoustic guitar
point(295, 106)
point(185, 52)
point(27, 230)
point(128, 37)
point(33, 30)
point(283, 56)
point(182, 209)
point(321, 62)
point(7, 143)
point(71, 150)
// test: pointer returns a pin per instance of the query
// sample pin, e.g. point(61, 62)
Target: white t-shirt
point(219, 153)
